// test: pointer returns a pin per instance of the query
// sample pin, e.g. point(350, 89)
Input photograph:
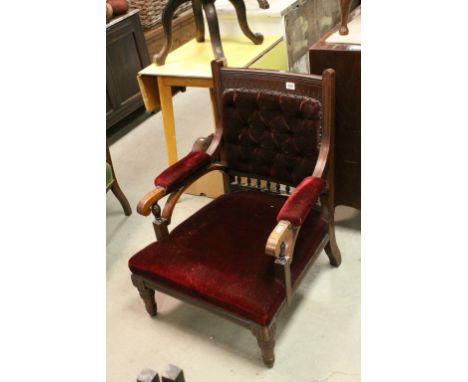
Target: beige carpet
point(318, 338)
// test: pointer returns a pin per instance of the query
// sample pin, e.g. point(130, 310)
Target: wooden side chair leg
point(146, 294)
point(166, 21)
point(213, 26)
point(200, 25)
point(117, 191)
point(266, 341)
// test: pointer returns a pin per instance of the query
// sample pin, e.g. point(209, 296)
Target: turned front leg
point(146, 294)
point(266, 341)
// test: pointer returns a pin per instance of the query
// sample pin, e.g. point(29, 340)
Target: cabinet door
point(126, 55)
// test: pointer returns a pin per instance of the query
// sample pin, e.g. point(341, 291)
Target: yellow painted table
point(190, 65)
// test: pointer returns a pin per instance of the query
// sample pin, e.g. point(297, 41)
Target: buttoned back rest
point(271, 134)
point(271, 123)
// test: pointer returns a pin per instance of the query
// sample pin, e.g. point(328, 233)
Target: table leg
point(167, 111)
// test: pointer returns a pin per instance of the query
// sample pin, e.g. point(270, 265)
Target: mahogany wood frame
point(280, 243)
point(207, 6)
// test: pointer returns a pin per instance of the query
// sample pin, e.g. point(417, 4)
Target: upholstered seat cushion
point(218, 255)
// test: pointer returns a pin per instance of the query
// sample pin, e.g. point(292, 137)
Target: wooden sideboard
point(345, 58)
point(126, 55)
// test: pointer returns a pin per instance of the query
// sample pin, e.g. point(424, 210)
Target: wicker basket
point(151, 10)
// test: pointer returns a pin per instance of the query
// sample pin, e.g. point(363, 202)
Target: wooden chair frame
point(280, 243)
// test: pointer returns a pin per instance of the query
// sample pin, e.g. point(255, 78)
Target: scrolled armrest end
point(280, 243)
point(145, 204)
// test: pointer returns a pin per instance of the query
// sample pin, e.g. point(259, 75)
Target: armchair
point(243, 255)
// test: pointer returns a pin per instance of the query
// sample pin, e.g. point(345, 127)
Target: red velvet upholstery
point(182, 169)
point(271, 134)
point(218, 255)
point(298, 205)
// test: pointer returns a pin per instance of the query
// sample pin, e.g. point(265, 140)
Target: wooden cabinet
point(345, 58)
point(126, 55)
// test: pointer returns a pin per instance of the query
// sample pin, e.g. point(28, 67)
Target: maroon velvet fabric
point(298, 205)
point(183, 168)
point(271, 134)
point(218, 255)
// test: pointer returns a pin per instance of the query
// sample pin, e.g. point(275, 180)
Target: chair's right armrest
point(174, 177)
point(298, 205)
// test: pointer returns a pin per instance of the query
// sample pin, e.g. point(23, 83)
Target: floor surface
point(318, 337)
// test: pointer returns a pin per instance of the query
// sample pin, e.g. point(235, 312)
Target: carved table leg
point(166, 21)
point(200, 25)
point(239, 5)
point(146, 294)
point(266, 340)
point(212, 20)
point(344, 4)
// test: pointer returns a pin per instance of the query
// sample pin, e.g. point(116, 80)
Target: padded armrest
point(182, 169)
point(299, 203)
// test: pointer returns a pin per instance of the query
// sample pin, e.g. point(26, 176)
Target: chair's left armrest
point(292, 215)
point(298, 205)
point(280, 243)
